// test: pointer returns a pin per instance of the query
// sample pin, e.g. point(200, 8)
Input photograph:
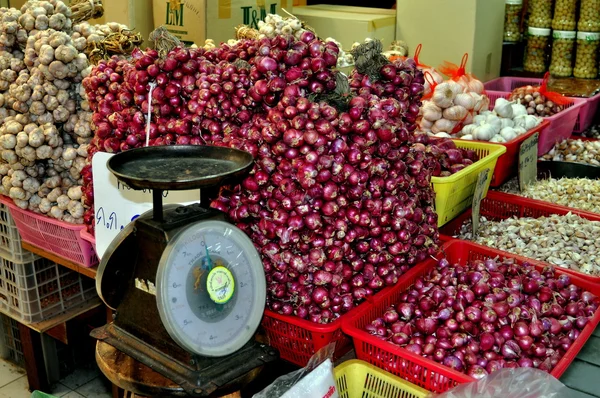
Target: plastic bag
point(511, 383)
point(316, 379)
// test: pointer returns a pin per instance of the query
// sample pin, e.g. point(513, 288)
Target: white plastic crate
point(39, 289)
point(10, 240)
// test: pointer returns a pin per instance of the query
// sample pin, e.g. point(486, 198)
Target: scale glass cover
point(210, 288)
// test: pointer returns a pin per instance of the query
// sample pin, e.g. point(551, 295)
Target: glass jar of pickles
point(586, 60)
point(536, 53)
point(589, 16)
point(541, 13)
point(563, 43)
point(564, 15)
point(512, 20)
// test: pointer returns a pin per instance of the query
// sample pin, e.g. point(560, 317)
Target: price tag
point(528, 156)
point(116, 205)
point(482, 179)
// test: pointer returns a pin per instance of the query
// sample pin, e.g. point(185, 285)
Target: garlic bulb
point(507, 123)
point(444, 94)
point(520, 121)
point(531, 121)
point(498, 139)
point(508, 133)
point(467, 137)
point(443, 125)
point(484, 132)
point(275, 25)
point(456, 113)
point(425, 124)
point(518, 110)
point(468, 119)
point(479, 119)
point(519, 130)
point(466, 100)
point(468, 129)
point(431, 111)
point(495, 122)
point(503, 108)
point(476, 86)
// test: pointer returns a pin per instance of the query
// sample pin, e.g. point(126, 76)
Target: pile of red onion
point(488, 315)
point(445, 157)
point(339, 202)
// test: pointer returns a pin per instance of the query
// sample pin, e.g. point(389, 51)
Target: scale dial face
point(210, 288)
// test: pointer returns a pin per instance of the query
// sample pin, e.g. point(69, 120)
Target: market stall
point(254, 199)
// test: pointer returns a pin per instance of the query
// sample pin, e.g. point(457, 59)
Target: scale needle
point(208, 259)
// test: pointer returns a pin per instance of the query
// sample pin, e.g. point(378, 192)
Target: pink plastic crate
point(587, 114)
point(561, 124)
point(508, 84)
point(85, 235)
point(58, 237)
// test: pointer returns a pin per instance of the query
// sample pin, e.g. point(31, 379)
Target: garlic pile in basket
point(449, 108)
point(506, 122)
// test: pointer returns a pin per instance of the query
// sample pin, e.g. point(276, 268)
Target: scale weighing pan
point(180, 167)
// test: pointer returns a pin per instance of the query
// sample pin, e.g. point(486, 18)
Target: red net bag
point(539, 100)
point(553, 96)
point(459, 74)
point(432, 76)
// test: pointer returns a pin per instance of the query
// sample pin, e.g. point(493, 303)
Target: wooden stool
point(137, 379)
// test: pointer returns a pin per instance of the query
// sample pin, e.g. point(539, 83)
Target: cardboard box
point(449, 28)
point(194, 21)
point(349, 24)
point(137, 14)
point(357, 10)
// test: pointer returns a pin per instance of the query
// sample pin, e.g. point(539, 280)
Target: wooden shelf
point(47, 324)
point(89, 272)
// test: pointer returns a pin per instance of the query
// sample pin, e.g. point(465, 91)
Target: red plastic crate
point(425, 372)
point(508, 84)
point(499, 206)
point(561, 125)
point(54, 236)
point(508, 164)
point(298, 339)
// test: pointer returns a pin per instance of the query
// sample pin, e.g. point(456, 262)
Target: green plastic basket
point(39, 394)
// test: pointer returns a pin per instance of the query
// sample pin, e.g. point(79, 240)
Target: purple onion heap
point(339, 202)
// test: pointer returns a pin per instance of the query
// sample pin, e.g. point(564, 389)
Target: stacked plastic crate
point(33, 288)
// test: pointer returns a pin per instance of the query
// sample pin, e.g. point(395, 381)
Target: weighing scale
point(188, 287)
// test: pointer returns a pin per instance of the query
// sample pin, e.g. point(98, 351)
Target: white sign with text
point(116, 205)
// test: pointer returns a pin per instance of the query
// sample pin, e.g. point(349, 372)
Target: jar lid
point(564, 34)
point(539, 31)
point(513, 2)
point(590, 36)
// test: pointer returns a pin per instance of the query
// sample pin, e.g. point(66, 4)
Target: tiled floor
point(85, 382)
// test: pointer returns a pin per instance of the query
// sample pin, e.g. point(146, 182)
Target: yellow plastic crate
point(454, 194)
point(359, 379)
